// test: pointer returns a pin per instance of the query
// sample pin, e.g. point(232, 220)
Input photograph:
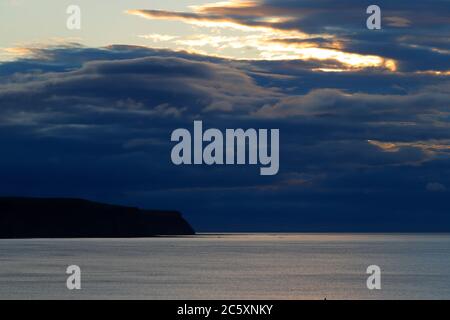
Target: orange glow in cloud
point(430, 147)
point(208, 7)
point(17, 51)
point(261, 37)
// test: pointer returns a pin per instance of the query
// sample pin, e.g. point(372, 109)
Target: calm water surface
point(229, 266)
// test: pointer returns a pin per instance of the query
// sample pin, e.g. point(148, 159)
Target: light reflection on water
point(229, 266)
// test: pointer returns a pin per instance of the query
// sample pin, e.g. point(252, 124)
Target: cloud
point(241, 15)
point(156, 37)
point(361, 106)
point(272, 41)
point(286, 30)
point(144, 87)
point(96, 122)
point(398, 22)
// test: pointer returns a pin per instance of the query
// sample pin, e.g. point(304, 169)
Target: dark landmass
point(22, 218)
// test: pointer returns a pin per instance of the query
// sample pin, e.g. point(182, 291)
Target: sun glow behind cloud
point(226, 32)
point(430, 149)
point(14, 52)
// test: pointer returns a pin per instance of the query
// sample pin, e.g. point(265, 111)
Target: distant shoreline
point(35, 218)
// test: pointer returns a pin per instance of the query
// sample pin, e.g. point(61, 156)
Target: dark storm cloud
point(322, 16)
point(356, 147)
point(141, 86)
point(361, 106)
point(415, 33)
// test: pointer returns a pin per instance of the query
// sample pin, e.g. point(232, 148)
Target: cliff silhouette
point(76, 218)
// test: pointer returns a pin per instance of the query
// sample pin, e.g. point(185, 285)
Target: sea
point(230, 266)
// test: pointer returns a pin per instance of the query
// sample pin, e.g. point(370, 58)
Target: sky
point(363, 114)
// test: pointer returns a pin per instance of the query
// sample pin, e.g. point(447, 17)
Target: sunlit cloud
point(431, 150)
point(16, 51)
point(219, 42)
point(216, 21)
point(435, 73)
point(155, 37)
point(257, 35)
point(220, 7)
point(33, 49)
point(430, 147)
point(398, 22)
